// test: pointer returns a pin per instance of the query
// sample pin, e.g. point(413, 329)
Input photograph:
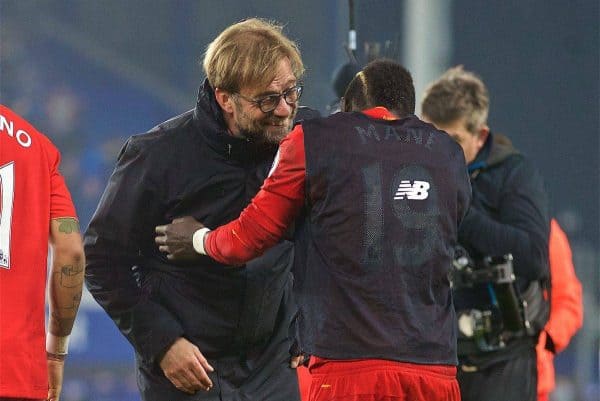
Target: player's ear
point(482, 135)
point(345, 105)
point(342, 104)
point(224, 99)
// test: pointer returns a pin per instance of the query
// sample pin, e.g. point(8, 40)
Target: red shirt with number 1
point(32, 192)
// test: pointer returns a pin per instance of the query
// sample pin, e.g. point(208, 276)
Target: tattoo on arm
point(68, 225)
point(71, 276)
point(63, 316)
point(61, 326)
point(67, 278)
point(66, 307)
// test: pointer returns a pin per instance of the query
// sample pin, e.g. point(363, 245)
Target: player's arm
point(65, 280)
point(260, 226)
point(66, 277)
point(64, 293)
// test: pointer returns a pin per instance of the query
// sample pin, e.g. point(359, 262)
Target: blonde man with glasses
point(200, 332)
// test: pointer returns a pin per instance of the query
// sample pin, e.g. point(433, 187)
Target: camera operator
point(508, 215)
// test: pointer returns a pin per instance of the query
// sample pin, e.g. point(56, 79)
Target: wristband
point(198, 240)
point(56, 345)
point(55, 357)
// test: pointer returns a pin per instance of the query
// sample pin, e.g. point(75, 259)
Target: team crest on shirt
point(415, 190)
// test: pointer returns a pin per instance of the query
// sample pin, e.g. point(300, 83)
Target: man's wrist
point(57, 346)
point(198, 240)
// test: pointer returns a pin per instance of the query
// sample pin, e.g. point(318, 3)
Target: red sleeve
point(275, 206)
point(566, 307)
point(61, 204)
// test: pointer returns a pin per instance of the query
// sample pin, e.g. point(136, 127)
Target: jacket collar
point(495, 150)
point(209, 122)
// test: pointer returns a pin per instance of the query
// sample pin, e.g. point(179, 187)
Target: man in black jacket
point(194, 327)
point(508, 215)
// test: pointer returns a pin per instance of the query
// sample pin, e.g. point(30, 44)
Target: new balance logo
point(418, 190)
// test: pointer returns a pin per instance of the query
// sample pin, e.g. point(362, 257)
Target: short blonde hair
point(457, 94)
point(248, 54)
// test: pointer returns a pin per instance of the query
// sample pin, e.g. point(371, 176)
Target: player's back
point(29, 180)
point(384, 198)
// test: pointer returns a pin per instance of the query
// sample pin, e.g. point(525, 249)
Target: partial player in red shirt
point(35, 208)
point(381, 195)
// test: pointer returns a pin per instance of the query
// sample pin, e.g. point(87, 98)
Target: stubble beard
point(268, 131)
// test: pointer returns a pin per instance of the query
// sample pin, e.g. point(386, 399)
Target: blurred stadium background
point(89, 73)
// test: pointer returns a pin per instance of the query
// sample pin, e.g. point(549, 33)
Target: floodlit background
point(89, 73)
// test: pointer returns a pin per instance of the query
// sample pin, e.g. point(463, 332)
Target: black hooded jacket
point(188, 165)
point(508, 214)
point(509, 211)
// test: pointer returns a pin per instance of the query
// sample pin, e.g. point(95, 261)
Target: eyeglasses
point(270, 102)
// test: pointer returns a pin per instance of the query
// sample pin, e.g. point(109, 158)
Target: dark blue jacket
point(509, 214)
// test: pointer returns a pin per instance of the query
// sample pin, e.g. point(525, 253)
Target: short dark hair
point(384, 83)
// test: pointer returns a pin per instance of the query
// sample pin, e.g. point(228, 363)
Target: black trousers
point(513, 379)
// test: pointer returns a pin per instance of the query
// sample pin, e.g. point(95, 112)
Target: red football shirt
point(32, 192)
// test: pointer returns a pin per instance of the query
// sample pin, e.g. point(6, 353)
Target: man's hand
point(185, 366)
point(55, 378)
point(296, 361)
point(175, 239)
point(297, 356)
